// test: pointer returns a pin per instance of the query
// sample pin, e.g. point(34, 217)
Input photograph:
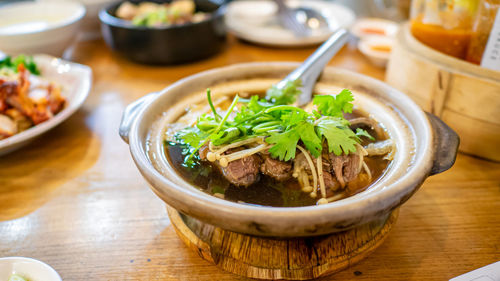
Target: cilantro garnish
point(284, 144)
point(334, 106)
point(12, 64)
point(282, 125)
point(287, 95)
point(362, 133)
point(339, 136)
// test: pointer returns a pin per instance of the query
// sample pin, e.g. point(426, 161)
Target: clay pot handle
point(131, 112)
point(446, 143)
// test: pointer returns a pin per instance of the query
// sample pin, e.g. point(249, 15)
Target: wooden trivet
point(278, 258)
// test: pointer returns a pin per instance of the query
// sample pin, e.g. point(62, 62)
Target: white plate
point(75, 79)
point(255, 21)
point(29, 268)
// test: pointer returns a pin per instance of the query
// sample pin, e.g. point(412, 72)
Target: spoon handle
point(312, 67)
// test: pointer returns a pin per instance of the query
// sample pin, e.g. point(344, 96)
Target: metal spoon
point(309, 71)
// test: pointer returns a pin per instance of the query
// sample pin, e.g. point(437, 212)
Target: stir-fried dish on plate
point(26, 98)
point(263, 150)
point(152, 14)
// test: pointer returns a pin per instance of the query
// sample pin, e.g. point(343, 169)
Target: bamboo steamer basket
point(464, 95)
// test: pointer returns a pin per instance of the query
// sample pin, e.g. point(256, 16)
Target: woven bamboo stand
point(273, 258)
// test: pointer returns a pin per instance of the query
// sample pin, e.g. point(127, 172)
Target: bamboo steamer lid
point(462, 94)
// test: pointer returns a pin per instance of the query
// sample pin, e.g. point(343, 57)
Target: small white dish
point(27, 267)
point(255, 21)
point(377, 49)
point(47, 27)
point(368, 27)
point(76, 81)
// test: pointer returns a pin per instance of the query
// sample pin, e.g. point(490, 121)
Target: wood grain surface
point(75, 200)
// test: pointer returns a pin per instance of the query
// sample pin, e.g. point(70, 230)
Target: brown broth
point(265, 192)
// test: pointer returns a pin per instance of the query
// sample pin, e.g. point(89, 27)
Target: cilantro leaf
point(337, 133)
point(310, 139)
point(254, 104)
point(284, 144)
point(291, 118)
point(362, 133)
point(287, 95)
point(334, 105)
point(192, 136)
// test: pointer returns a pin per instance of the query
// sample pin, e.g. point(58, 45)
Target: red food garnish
point(373, 30)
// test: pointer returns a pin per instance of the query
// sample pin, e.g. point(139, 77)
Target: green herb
point(339, 136)
point(12, 64)
point(283, 126)
point(287, 95)
point(218, 189)
point(284, 144)
point(191, 136)
point(334, 106)
point(208, 128)
point(362, 133)
point(212, 107)
point(152, 18)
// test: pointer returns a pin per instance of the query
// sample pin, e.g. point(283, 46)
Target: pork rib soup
point(262, 150)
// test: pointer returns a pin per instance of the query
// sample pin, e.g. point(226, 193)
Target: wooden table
point(75, 199)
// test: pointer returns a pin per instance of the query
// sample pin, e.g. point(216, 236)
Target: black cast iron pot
point(169, 44)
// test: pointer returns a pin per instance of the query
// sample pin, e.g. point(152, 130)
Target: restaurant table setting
point(249, 139)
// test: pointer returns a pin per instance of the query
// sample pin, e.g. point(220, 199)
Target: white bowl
point(30, 268)
point(75, 79)
point(378, 58)
point(39, 27)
